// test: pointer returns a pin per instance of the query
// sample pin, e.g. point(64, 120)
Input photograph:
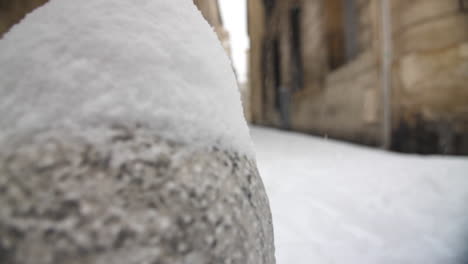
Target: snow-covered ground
point(340, 203)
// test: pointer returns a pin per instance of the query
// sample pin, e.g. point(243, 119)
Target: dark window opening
point(265, 73)
point(334, 33)
point(277, 73)
point(341, 32)
point(297, 68)
point(269, 6)
point(464, 5)
point(351, 28)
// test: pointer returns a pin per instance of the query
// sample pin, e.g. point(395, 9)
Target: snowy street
point(124, 132)
point(340, 203)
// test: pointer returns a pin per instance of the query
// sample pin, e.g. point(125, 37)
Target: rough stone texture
point(121, 194)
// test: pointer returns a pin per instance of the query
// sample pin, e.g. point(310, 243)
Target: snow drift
point(339, 203)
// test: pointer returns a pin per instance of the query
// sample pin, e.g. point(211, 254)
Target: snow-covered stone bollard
point(122, 140)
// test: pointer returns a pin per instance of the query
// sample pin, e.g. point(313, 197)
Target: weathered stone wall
point(431, 76)
point(342, 102)
point(429, 95)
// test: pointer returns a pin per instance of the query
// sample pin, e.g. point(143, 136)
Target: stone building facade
point(379, 72)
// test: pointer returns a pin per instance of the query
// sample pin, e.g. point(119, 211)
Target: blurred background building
point(378, 72)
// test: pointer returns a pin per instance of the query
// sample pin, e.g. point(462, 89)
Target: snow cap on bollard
point(82, 62)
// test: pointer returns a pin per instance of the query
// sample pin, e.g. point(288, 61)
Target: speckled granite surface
point(121, 194)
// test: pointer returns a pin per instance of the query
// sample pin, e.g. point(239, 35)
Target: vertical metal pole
point(386, 72)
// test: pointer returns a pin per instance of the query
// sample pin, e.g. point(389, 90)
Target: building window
point(277, 73)
point(341, 31)
point(265, 73)
point(334, 33)
point(269, 6)
point(351, 29)
point(297, 69)
point(464, 5)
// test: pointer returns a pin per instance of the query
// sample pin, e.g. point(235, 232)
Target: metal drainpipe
point(386, 73)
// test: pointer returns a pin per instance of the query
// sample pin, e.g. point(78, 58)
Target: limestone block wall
point(347, 103)
point(342, 102)
point(429, 91)
point(430, 76)
point(352, 99)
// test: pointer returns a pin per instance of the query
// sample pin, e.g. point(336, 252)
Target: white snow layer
point(338, 203)
point(156, 62)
